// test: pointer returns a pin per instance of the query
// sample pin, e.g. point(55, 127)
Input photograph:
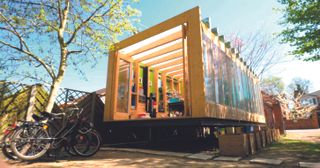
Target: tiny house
point(180, 69)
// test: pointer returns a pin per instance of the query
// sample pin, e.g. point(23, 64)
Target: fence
point(19, 101)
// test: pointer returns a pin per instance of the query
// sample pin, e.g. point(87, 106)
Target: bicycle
point(32, 141)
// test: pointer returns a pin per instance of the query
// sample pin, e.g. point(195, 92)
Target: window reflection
point(226, 82)
point(123, 86)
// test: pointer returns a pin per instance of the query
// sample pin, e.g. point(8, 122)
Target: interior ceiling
point(163, 52)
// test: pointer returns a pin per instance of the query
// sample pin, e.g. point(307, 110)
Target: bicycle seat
point(46, 115)
point(52, 115)
point(38, 118)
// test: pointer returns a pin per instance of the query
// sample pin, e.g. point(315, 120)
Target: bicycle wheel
point(30, 143)
point(87, 144)
point(6, 150)
point(70, 151)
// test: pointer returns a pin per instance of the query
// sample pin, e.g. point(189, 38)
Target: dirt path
point(289, 149)
point(309, 135)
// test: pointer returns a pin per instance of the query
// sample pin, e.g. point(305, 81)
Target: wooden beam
point(167, 39)
point(109, 101)
point(166, 50)
point(164, 60)
point(195, 66)
point(169, 64)
point(177, 76)
point(157, 29)
point(175, 73)
point(173, 69)
point(185, 77)
point(115, 86)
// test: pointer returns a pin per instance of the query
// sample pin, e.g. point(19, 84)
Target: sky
point(230, 16)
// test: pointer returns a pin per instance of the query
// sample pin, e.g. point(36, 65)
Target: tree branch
point(88, 19)
point(74, 52)
point(47, 68)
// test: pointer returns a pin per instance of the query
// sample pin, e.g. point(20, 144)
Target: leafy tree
point(289, 97)
point(299, 86)
point(41, 38)
point(272, 85)
point(302, 20)
point(295, 91)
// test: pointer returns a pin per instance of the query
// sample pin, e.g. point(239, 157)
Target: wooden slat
point(173, 69)
point(163, 60)
point(168, 49)
point(159, 28)
point(178, 76)
point(175, 73)
point(169, 64)
point(167, 39)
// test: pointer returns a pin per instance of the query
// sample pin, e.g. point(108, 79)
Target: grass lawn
point(292, 145)
point(293, 149)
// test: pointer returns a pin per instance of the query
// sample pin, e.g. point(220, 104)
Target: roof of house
point(313, 94)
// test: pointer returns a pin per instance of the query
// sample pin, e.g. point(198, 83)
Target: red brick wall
point(310, 123)
point(274, 117)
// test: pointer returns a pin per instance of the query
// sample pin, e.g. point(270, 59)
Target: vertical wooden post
point(164, 90)
point(186, 82)
point(111, 88)
point(130, 88)
point(156, 84)
point(136, 81)
point(195, 65)
point(171, 85)
point(179, 87)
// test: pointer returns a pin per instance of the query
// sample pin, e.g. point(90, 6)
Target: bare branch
point(89, 18)
point(47, 68)
point(74, 52)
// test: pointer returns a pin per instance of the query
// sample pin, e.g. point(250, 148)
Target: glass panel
point(209, 68)
point(226, 82)
point(123, 86)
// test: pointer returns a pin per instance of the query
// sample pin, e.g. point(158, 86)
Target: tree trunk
point(53, 94)
point(57, 81)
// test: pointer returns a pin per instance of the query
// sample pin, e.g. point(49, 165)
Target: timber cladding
point(216, 82)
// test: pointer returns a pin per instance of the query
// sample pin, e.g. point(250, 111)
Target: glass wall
point(123, 87)
point(226, 82)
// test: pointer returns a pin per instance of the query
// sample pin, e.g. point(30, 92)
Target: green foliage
point(272, 85)
point(299, 86)
point(291, 145)
point(91, 28)
point(302, 21)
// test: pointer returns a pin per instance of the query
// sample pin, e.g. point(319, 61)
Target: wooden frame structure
point(172, 51)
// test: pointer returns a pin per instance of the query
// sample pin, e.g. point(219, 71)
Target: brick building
point(311, 119)
point(275, 112)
